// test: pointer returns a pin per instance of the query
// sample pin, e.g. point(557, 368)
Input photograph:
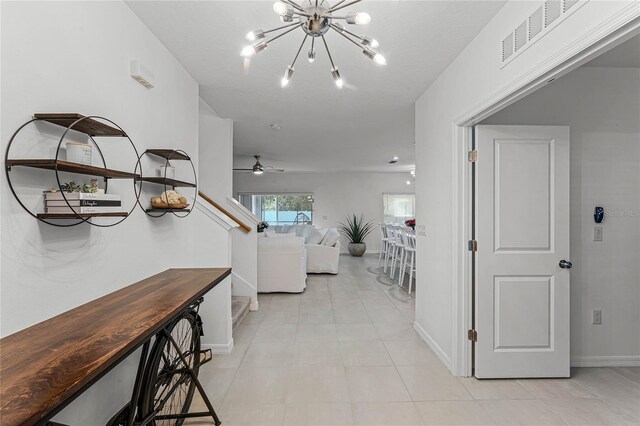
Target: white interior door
point(522, 232)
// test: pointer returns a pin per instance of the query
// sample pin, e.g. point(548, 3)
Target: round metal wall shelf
point(169, 183)
point(92, 126)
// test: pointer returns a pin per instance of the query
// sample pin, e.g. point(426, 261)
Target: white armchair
point(323, 259)
point(281, 264)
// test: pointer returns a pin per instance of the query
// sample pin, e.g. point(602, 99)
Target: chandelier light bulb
point(280, 8)
point(287, 76)
point(336, 78)
point(311, 55)
point(379, 59)
point(358, 18)
point(254, 35)
point(253, 49)
point(408, 182)
point(374, 56)
point(371, 42)
point(412, 172)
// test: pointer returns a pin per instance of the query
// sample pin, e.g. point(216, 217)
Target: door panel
point(522, 229)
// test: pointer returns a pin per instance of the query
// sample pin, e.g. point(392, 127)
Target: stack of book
point(81, 203)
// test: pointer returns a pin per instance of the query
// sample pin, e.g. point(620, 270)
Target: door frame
point(617, 29)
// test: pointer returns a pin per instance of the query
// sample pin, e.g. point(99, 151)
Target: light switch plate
point(597, 233)
point(597, 317)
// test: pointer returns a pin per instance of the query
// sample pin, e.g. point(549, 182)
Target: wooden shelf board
point(169, 154)
point(168, 181)
point(67, 166)
point(88, 126)
point(82, 215)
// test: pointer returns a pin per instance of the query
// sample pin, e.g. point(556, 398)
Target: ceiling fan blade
point(242, 170)
point(274, 170)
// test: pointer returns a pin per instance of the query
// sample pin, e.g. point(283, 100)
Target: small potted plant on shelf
point(356, 230)
point(411, 223)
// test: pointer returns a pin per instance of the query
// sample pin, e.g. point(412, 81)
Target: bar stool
point(410, 253)
point(398, 249)
point(383, 242)
point(390, 245)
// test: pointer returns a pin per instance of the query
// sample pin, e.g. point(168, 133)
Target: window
point(399, 207)
point(280, 209)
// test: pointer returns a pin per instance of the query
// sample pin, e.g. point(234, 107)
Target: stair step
point(239, 309)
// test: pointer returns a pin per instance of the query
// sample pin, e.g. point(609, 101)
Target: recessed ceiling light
point(275, 126)
point(413, 172)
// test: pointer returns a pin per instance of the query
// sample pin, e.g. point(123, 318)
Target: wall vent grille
point(568, 4)
point(521, 36)
point(552, 11)
point(535, 23)
point(507, 47)
point(546, 17)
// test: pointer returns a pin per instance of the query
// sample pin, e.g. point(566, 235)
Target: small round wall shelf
point(169, 183)
point(93, 127)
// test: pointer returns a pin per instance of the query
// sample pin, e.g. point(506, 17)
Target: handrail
point(244, 227)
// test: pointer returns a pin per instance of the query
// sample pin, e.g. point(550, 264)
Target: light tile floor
point(344, 352)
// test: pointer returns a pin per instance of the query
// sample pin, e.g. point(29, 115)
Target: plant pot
point(357, 249)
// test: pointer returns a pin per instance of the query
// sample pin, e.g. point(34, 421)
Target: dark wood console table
point(46, 366)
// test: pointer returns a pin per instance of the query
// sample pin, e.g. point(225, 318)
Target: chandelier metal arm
point(281, 28)
point(283, 33)
point(344, 30)
point(299, 49)
point(326, 46)
point(294, 5)
point(339, 31)
point(337, 4)
point(336, 7)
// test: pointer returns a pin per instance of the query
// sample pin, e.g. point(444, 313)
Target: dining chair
point(410, 253)
point(383, 242)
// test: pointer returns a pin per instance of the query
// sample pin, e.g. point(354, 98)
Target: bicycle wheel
point(168, 388)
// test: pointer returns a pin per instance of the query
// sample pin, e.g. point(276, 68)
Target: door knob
point(565, 264)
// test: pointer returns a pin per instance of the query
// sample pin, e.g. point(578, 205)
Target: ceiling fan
point(258, 168)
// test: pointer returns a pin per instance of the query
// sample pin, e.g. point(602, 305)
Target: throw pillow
point(331, 238)
point(291, 229)
point(315, 237)
point(304, 231)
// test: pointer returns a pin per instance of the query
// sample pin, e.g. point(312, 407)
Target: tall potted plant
point(356, 230)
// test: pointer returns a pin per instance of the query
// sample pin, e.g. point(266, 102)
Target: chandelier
point(316, 18)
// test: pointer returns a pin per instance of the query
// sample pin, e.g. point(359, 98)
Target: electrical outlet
point(597, 233)
point(597, 316)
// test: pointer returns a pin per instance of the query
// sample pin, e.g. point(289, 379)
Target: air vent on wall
point(568, 4)
point(507, 47)
point(546, 17)
point(552, 11)
point(521, 35)
point(535, 23)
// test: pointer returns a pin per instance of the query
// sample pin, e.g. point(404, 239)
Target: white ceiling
point(625, 55)
point(322, 128)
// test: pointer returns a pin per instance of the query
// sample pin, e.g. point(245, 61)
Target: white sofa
point(284, 259)
point(282, 264)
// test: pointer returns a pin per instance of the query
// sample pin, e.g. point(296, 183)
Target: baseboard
point(219, 348)
point(433, 345)
point(605, 361)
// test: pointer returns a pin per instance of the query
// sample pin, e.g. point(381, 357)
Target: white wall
point(602, 107)
point(216, 181)
point(335, 194)
point(474, 79)
point(79, 62)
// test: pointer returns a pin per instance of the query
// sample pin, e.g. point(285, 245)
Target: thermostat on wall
point(141, 74)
